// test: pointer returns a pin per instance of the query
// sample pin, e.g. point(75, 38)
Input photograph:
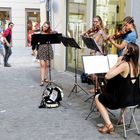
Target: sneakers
point(7, 65)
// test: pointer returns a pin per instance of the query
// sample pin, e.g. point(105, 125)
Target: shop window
point(112, 13)
point(75, 27)
point(4, 18)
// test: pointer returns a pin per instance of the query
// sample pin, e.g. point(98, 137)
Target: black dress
point(45, 52)
point(121, 92)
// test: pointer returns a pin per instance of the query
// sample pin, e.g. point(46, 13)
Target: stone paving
point(20, 96)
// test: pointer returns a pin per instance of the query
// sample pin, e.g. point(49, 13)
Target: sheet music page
point(95, 64)
point(112, 58)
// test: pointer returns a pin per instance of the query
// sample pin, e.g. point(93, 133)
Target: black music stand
point(38, 39)
point(91, 44)
point(70, 42)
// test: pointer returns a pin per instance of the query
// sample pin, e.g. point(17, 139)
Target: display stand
point(70, 42)
point(38, 39)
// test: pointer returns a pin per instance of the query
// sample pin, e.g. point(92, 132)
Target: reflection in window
point(75, 28)
point(4, 18)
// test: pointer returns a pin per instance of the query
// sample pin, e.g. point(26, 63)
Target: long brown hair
point(49, 30)
point(133, 56)
point(130, 20)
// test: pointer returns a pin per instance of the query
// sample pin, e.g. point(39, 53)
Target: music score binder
point(38, 39)
point(69, 42)
point(91, 44)
point(99, 64)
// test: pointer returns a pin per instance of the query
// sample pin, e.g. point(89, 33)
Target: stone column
point(58, 20)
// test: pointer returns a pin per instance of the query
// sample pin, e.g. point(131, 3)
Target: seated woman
point(122, 88)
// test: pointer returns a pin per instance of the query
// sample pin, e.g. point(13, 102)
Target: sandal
point(45, 80)
point(107, 129)
point(42, 84)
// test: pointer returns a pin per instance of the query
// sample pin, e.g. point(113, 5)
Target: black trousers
point(8, 52)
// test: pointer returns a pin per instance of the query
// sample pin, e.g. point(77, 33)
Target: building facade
point(69, 17)
point(24, 14)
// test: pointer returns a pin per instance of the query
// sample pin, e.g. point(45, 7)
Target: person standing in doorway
point(8, 36)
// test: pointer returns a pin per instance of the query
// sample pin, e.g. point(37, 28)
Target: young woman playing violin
point(129, 34)
point(97, 32)
point(45, 54)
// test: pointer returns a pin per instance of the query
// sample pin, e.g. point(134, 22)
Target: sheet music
point(112, 59)
point(99, 64)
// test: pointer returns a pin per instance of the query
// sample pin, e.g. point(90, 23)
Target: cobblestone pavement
point(20, 96)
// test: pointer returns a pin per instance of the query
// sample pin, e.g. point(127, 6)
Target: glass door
point(112, 13)
point(76, 25)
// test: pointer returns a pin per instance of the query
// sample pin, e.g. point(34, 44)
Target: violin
point(123, 32)
point(92, 30)
point(120, 34)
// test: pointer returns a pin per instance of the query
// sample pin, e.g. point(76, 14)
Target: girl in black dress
point(122, 88)
point(45, 54)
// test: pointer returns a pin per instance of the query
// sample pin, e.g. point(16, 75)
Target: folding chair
point(131, 109)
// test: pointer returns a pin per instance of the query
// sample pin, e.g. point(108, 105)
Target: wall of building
point(136, 14)
point(58, 20)
point(18, 17)
point(132, 9)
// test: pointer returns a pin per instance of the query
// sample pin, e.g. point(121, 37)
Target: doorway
point(32, 24)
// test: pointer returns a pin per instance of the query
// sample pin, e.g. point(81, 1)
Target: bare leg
point(46, 69)
point(120, 120)
point(108, 127)
point(102, 110)
point(42, 70)
point(97, 86)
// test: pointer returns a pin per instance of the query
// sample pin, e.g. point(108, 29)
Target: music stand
point(70, 42)
point(99, 65)
point(38, 39)
point(91, 44)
